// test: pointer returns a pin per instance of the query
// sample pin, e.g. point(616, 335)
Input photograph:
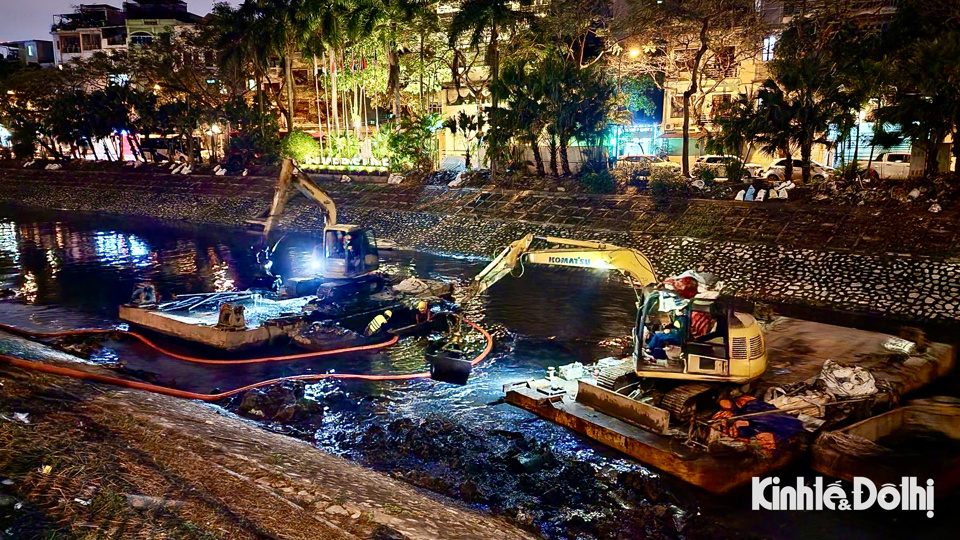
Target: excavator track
point(616, 377)
point(682, 400)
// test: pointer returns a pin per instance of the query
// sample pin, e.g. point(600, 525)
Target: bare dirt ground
point(92, 461)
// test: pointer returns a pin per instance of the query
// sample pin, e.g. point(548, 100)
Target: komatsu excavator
point(348, 258)
point(729, 348)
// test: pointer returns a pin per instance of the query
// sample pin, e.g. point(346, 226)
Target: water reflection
point(28, 289)
point(119, 249)
point(8, 241)
point(80, 272)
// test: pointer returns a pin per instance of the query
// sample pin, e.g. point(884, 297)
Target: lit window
point(141, 38)
point(769, 44)
point(29, 50)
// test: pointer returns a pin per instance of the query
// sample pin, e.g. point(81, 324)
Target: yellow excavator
point(728, 347)
point(348, 255)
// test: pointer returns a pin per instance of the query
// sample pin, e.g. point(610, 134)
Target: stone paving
point(892, 261)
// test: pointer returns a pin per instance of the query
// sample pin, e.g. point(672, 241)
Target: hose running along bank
point(85, 375)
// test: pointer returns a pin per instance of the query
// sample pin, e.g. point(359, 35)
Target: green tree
point(469, 127)
point(922, 95)
point(766, 121)
point(819, 67)
point(283, 28)
point(524, 117)
point(495, 20)
point(683, 38)
point(27, 96)
point(386, 21)
point(559, 80)
point(409, 142)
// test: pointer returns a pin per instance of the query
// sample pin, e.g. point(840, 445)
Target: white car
point(717, 163)
point(775, 171)
point(893, 165)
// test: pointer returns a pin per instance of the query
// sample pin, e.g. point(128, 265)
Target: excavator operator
point(334, 245)
point(673, 333)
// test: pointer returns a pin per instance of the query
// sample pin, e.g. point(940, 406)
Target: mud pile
point(281, 404)
point(522, 478)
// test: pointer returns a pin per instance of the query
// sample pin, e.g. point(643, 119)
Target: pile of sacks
point(778, 191)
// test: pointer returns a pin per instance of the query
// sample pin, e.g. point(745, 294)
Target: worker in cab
point(378, 324)
point(423, 312)
point(673, 333)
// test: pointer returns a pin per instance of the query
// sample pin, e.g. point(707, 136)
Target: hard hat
point(422, 306)
point(388, 314)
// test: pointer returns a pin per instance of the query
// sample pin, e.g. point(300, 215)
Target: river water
point(73, 270)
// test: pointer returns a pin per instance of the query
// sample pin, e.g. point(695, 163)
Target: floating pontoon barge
point(797, 351)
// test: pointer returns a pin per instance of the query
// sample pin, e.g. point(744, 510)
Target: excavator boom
point(290, 175)
point(578, 253)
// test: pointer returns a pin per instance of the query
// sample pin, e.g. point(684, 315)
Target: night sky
point(31, 19)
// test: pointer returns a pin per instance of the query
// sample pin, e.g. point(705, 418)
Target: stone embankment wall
point(899, 262)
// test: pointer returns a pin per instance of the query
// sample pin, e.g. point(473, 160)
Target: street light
point(634, 52)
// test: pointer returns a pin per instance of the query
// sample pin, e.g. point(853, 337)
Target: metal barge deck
point(797, 352)
point(264, 320)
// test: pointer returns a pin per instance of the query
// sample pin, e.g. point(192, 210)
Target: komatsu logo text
point(576, 261)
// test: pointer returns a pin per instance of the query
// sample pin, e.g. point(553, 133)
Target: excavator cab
point(348, 252)
point(697, 339)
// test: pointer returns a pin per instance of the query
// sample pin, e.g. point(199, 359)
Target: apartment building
point(93, 28)
point(35, 51)
point(734, 71)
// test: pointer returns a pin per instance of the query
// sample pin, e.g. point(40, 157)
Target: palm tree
point(772, 124)
point(823, 64)
point(470, 128)
point(524, 115)
point(925, 102)
point(259, 29)
point(386, 20)
point(495, 18)
point(561, 80)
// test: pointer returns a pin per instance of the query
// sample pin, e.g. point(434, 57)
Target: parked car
point(775, 171)
point(718, 164)
point(892, 165)
point(644, 164)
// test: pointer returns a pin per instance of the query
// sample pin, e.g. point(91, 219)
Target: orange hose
point(85, 375)
point(146, 341)
point(157, 389)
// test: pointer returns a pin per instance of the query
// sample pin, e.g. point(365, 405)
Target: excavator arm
point(575, 253)
point(290, 176)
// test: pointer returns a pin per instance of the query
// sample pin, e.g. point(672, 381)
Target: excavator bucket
point(449, 365)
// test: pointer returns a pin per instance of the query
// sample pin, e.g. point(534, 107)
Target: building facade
point(728, 74)
point(36, 52)
point(96, 28)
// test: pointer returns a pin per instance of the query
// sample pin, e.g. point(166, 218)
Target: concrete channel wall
point(865, 260)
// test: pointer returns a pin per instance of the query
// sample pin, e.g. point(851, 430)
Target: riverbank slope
point(79, 459)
